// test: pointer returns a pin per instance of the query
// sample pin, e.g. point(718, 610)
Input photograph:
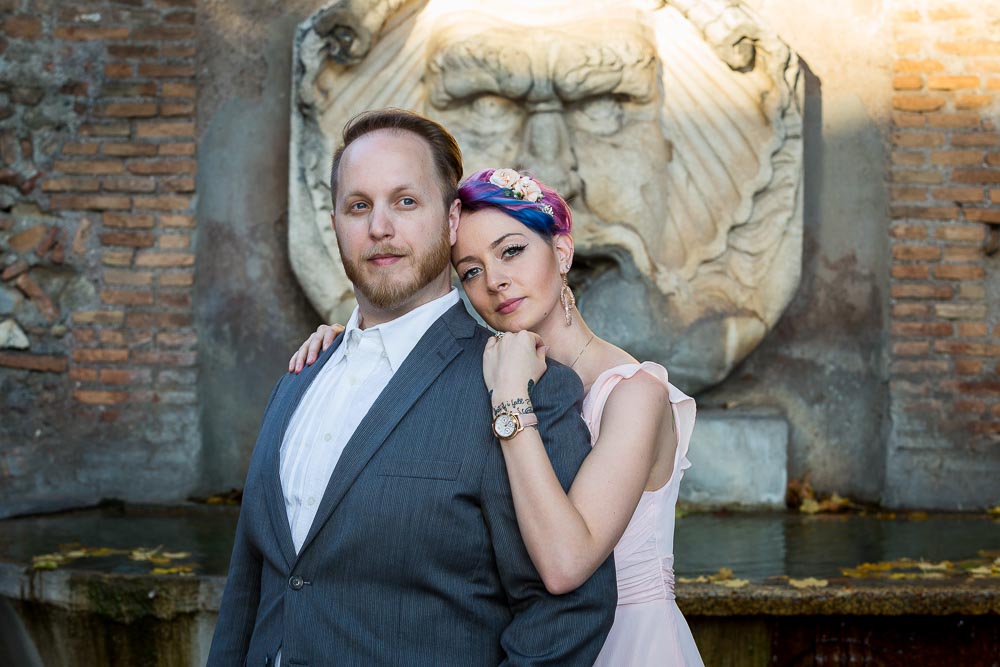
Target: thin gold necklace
point(586, 345)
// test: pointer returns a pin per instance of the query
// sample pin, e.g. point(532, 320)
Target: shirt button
point(328, 437)
point(295, 582)
point(312, 500)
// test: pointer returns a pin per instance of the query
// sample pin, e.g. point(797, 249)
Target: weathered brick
point(959, 272)
point(27, 239)
point(933, 366)
point(908, 291)
point(967, 406)
point(918, 139)
point(145, 129)
point(925, 65)
point(119, 277)
point(993, 159)
point(917, 103)
point(89, 166)
point(957, 232)
point(953, 119)
point(105, 129)
point(162, 166)
point(975, 139)
point(911, 348)
point(995, 196)
point(991, 215)
point(916, 253)
point(126, 297)
point(993, 84)
point(119, 70)
point(907, 82)
point(112, 317)
point(33, 291)
point(161, 358)
point(967, 348)
point(112, 338)
point(79, 374)
point(178, 184)
point(175, 241)
point(176, 300)
point(909, 119)
point(22, 26)
point(98, 397)
point(15, 269)
point(159, 320)
point(177, 220)
point(976, 176)
point(128, 184)
point(79, 184)
point(970, 48)
point(172, 89)
point(910, 309)
point(971, 292)
point(129, 150)
point(959, 311)
point(185, 18)
point(901, 193)
point(179, 149)
point(176, 279)
point(969, 254)
point(163, 202)
point(43, 363)
point(973, 101)
point(959, 194)
point(911, 271)
point(177, 339)
point(900, 231)
point(908, 158)
point(155, 70)
point(952, 82)
point(935, 329)
point(117, 257)
point(123, 376)
point(129, 110)
point(925, 212)
point(973, 329)
point(932, 177)
point(163, 33)
point(100, 356)
point(128, 220)
point(164, 259)
point(80, 149)
point(178, 109)
point(130, 239)
point(90, 34)
point(968, 366)
point(963, 158)
point(178, 50)
point(128, 89)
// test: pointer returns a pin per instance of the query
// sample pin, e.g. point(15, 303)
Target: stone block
point(738, 458)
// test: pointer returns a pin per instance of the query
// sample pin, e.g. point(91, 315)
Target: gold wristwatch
point(508, 424)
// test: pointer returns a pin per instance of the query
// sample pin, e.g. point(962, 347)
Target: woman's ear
point(563, 244)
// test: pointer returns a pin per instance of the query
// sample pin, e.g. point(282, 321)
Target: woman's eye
point(471, 273)
point(512, 251)
point(408, 201)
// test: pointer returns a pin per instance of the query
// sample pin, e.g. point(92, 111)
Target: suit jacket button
point(295, 582)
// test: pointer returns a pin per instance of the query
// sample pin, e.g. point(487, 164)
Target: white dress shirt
point(336, 402)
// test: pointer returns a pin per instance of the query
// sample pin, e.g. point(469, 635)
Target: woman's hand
point(512, 364)
point(316, 343)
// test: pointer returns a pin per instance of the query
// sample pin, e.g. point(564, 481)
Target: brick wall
point(97, 144)
point(945, 210)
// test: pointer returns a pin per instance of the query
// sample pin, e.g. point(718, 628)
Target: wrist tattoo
point(531, 385)
point(520, 404)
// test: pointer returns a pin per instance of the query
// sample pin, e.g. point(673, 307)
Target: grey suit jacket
point(414, 557)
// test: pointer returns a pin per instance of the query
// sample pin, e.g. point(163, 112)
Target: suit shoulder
point(562, 377)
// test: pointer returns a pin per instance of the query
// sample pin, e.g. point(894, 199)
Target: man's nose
point(546, 151)
point(380, 225)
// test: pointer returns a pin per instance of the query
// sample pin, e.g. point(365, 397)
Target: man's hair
point(444, 149)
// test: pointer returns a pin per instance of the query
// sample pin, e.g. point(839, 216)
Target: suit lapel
point(422, 367)
point(275, 496)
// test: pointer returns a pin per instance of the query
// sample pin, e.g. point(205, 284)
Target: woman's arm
point(569, 536)
point(309, 351)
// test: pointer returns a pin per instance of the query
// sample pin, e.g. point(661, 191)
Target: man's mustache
point(377, 250)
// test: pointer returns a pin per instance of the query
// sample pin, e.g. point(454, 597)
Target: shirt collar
point(401, 335)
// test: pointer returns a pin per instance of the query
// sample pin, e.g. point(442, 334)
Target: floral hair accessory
point(518, 186)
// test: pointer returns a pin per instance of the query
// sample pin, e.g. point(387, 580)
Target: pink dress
point(649, 628)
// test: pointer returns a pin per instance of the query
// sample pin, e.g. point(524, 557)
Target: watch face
point(504, 426)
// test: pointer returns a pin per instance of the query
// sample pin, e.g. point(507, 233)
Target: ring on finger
point(500, 334)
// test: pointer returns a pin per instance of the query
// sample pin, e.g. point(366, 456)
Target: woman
point(512, 254)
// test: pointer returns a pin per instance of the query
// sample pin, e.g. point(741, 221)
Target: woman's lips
point(509, 306)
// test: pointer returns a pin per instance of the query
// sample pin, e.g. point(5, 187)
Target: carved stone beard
point(390, 292)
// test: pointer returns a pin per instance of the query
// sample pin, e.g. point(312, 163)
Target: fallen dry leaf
point(808, 582)
point(731, 583)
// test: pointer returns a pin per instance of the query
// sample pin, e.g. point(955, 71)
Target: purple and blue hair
point(477, 193)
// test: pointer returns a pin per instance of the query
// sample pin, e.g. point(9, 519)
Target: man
point(377, 525)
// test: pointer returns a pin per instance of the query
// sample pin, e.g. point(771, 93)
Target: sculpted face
point(563, 103)
point(392, 228)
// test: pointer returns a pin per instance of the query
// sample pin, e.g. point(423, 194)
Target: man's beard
point(389, 292)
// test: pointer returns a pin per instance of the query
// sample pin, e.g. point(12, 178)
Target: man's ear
point(563, 244)
point(454, 215)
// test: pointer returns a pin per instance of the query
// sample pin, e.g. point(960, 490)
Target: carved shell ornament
point(673, 129)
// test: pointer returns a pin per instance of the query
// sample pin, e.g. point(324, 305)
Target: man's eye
point(358, 206)
point(471, 273)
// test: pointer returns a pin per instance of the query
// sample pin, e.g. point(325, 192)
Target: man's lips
point(384, 260)
point(509, 306)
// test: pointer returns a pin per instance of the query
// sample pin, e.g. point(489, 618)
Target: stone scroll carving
point(673, 128)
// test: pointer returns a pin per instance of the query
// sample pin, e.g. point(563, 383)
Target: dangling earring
point(568, 300)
